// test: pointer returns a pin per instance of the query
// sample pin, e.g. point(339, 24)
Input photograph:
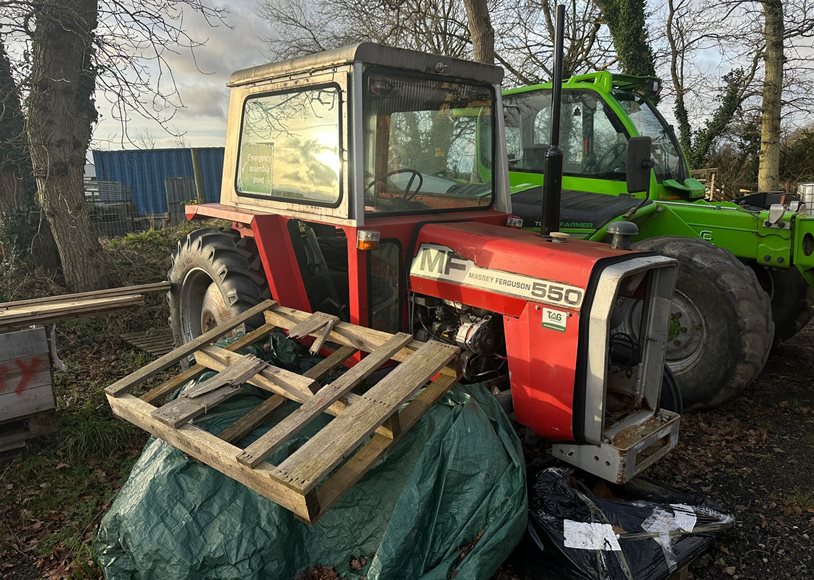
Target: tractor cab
point(370, 183)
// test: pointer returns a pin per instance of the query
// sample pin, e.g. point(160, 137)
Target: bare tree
point(76, 47)
point(481, 31)
point(23, 225)
point(768, 177)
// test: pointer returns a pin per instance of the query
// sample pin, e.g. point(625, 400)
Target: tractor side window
point(592, 138)
point(421, 144)
point(290, 146)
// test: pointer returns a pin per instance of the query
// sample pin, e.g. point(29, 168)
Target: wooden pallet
point(365, 425)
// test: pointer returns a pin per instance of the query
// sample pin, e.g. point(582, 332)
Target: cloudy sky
point(205, 96)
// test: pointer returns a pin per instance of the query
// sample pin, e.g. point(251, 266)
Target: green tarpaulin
point(449, 500)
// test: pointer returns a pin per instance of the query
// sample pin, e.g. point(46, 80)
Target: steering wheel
point(608, 158)
point(406, 195)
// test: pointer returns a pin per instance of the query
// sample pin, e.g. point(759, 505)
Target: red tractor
point(355, 184)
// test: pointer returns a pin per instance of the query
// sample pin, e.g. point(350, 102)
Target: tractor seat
point(578, 209)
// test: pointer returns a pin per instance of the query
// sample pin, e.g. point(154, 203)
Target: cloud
point(200, 78)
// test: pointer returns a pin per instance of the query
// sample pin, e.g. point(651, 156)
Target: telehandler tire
point(215, 275)
point(792, 300)
point(720, 331)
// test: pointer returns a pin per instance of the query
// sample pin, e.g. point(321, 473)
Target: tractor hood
point(503, 269)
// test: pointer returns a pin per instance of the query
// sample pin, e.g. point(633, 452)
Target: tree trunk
point(61, 113)
point(481, 31)
point(625, 20)
point(22, 227)
point(768, 177)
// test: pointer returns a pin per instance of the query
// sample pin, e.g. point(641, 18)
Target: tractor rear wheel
point(792, 299)
point(215, 275)
point(720, 331)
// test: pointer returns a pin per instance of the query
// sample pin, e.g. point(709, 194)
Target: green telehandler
point(746, 266)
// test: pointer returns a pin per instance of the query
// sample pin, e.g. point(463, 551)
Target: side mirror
point(638, 164)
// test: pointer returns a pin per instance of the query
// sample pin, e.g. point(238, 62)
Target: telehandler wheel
point(720, 330)
point(215, 274)
point(792, 299)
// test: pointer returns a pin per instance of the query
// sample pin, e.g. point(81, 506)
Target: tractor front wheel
point(215, 275)
point(720, 330)
point(792, 299)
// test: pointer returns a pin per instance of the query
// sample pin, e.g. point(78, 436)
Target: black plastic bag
point(643, 532)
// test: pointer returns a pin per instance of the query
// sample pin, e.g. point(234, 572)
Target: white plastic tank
point(806, 191)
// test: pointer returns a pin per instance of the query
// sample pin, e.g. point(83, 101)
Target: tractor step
point(314, 476)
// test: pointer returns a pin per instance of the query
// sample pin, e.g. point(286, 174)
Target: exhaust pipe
point(552, 168)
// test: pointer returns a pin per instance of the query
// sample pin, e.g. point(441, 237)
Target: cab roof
point(372, 54)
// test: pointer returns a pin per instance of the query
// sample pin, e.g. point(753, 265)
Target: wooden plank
point(232, 376)
point(259, 414)
point(22, 322)
point(181, 410)
point(311, 324)
point(54, 308)
point(316, 346)
point(369, 454)
point(23, 343)
point(325, 450)
point(270, 441)
point(126, 290)
point(329, 363)
point(288, 384)
point(32, 400)
point(169, 359)
point(344, 333)
point(261, 381)
point(193, 371)
point(253, 419)
point(210, 450)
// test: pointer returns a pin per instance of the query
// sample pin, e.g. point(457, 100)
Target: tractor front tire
point(792, 300)
point(721, 329)
point(215, 275)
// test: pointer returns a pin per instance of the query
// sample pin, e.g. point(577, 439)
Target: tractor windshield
point(421, 144)
point(669, 164)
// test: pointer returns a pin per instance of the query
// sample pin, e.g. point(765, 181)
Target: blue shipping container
point(143, 172)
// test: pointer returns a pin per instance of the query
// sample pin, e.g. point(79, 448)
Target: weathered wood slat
point(56, 308)
point(285, 383)
point(369, 454)
point(311, 324)
point(326, 449)
point(253, 419)
point(169, 359)
point(211, 450)
point(329, 363)
point(270, 441)
point(193, 371)
point(344, 333)
point(232, 376)
point(123, 291)
point(259, 414)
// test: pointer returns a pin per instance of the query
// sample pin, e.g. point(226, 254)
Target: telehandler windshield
point(593, 137)
point(420, 142)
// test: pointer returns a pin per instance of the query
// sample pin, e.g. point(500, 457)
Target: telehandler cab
point(746, 274)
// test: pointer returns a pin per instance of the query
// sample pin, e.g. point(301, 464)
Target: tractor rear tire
point(792, 300)
point(215, 275)
point(721, 328)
